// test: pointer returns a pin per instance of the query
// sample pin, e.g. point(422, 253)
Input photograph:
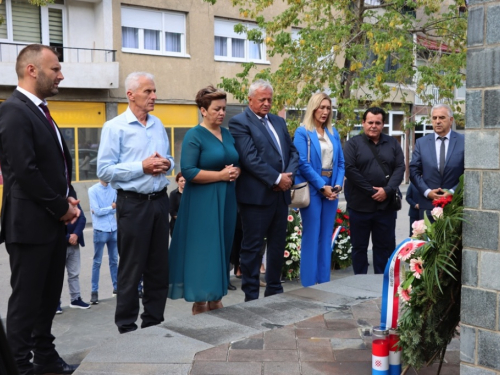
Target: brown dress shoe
point(200, 307)
point(214, 305)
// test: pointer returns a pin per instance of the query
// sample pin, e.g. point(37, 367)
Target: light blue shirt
point(103, 215)
point(125, 143)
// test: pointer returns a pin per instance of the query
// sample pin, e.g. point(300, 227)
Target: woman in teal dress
point(204, 230)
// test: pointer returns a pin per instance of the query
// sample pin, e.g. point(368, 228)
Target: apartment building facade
point(186, 44)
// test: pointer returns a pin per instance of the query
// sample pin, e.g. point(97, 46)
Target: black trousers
point(36, 280)
point(260, 222)
point(143, 248)
point(382, 227)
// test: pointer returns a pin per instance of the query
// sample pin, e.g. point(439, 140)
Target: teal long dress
point(204, 230)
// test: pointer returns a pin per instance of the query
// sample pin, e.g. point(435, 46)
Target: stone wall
point(480, 327)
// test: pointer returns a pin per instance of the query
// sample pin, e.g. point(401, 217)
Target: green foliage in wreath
point(431, 288)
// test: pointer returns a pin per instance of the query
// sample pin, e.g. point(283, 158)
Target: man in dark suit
point(438, 159)
point(268, 161)
point(38, 200)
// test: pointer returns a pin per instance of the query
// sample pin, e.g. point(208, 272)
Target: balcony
point(434, 91)
point(83, 68)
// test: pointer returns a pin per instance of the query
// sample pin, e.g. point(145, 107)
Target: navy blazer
point(311, 171)
point(412, 199)
point(260, 160)
point(424, 170)
point(77, 228)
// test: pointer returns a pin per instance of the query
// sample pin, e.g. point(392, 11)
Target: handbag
point(300, 194)
point(395, 200)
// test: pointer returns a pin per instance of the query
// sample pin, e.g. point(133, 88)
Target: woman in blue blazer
point(325, 173)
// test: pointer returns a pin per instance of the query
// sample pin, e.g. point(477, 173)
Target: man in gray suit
point(438, 159)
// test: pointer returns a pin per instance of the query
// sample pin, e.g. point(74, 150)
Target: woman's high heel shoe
point(200, 307)
point(214, 305)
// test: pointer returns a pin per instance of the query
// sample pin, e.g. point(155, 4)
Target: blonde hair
point(312, 106)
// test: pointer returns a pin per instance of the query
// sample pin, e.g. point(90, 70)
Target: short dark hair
point(206, 95)
point(31, 55)
point(178, 177)
point(375, 111)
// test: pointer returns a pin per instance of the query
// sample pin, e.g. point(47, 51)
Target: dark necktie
point(442, 155)
point(51, 122)
point(263, 120)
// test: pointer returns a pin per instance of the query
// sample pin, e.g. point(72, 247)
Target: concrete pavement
point(246, 338)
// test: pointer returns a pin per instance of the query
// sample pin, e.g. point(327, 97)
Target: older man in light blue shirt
point(134, 156)
point(102, 199)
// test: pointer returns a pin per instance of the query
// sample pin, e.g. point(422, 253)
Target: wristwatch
point(322, 189)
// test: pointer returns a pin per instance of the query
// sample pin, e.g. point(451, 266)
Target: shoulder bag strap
point(375, 154)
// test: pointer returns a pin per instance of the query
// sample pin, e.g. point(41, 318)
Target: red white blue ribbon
point(335, 235)
point(392, 280)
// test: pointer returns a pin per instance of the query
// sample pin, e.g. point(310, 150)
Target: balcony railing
point(9, 52)
point(434, 91)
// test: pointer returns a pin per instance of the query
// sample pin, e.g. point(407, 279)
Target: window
point(231, 46)
point(27, 23)
point(153, 32)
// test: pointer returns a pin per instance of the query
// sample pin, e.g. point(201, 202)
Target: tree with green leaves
point(362, 52)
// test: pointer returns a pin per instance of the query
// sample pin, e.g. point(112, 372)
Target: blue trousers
point(316, 247)
point(382, 227)
point(110, 240)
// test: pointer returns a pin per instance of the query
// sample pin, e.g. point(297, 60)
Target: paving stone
point(281, 368)
point(132, 369)
point(304, 333)
point(239, 314)
point(280, 339)
point(342, 324)
point(255, 344)
point(226, 368)
point(452, 357)
point(316, 322)
point(209, 329)
point(301, 343)
point(130, 349)
point(352, 355)
point(320, 296)
point(263, 355)
point(218, 353)
point(340, 344)
point(339, 313)
point(336, 368)
point(316, 354)
point(366, 311)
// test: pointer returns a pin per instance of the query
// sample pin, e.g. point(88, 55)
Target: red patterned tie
point(51, 122)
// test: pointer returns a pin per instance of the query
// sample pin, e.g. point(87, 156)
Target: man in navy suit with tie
point(438, 159)
point(38, 200)
point(268, 161)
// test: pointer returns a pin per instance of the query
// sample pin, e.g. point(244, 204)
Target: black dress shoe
point(58, 367)
point(231, 287)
